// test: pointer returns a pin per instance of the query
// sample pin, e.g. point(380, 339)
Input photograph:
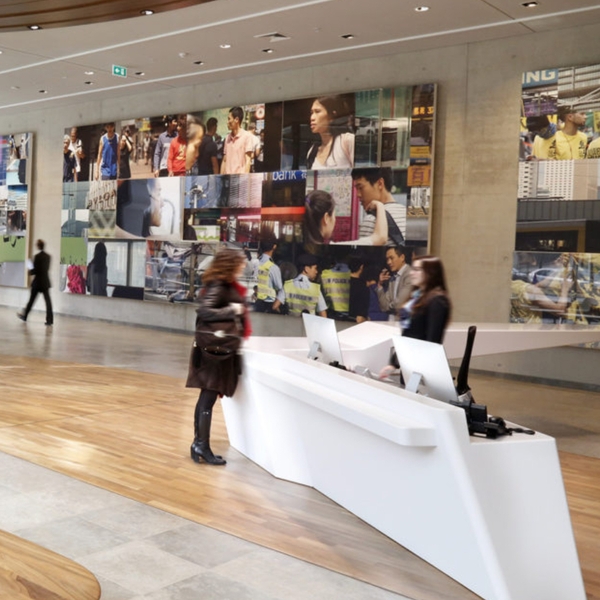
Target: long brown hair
point(435, 280)
point(318, 204)
point(224, 266)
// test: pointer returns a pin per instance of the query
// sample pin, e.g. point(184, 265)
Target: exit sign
point(119, 71)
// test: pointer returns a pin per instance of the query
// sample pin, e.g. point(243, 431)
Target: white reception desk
point(491, 514)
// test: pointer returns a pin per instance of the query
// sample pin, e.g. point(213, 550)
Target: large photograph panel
point(15, 202)
point(314, 190)
point(556, 263)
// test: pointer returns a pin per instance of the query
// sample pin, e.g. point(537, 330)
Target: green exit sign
point(119, 71)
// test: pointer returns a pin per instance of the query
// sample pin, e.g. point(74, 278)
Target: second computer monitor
point(428, 360)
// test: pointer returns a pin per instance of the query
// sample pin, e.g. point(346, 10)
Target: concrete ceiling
point(164, 50)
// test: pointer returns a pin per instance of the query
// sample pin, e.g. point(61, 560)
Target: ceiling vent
point(272, 37)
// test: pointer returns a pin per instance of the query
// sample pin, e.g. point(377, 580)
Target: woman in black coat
point(222, 308)
point(427, 313)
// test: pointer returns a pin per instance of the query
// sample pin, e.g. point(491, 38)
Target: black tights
point(206, 400)
point(205, 404)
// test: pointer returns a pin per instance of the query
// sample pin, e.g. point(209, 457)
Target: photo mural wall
point(318, 187)
point(15, 155)
point(556, 269)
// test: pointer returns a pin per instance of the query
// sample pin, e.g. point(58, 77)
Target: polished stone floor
point(138, 552)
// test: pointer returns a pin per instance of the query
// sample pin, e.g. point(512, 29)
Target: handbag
point(217, 340)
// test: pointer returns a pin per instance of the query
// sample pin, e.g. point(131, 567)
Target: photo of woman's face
point(319, 118)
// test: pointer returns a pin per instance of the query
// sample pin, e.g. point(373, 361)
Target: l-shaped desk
point(491, 514)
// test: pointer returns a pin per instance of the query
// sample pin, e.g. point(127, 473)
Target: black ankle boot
point(200, 449)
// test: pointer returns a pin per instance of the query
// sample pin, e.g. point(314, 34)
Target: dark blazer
point(41, 266)
point(429, 323)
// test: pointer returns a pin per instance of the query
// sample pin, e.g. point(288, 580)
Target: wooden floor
point(129, 432)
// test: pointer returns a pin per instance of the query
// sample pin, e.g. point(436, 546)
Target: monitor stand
point(414, 382)
point(313, 353)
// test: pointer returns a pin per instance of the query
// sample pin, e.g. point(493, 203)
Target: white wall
point(475, 186)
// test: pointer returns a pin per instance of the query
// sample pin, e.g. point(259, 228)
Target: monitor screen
point(428, 360)
point(323, 342)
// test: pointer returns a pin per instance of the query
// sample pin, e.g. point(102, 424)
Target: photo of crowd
point(329, 181)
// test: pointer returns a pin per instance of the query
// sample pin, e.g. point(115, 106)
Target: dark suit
point(40, 284)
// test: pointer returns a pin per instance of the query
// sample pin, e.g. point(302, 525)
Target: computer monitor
point(425, 368)
point(323, 339)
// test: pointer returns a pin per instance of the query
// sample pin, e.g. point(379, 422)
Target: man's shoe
point(22, 316)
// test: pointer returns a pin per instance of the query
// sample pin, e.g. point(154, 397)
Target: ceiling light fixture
point(348, 36)
point(530, 4)
point(268, 50)
point(147, 12)
point(88, 82)
point(225, 46)
point(43, 91)
point(89, 72)
point(140, 73)
point(15, 87)
point(34, 27)
point(198, 62)
point(422, 8)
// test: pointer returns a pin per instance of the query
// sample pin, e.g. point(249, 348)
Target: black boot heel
point(194, 456)
point(198, 452)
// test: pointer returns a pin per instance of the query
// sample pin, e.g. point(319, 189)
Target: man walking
point(40, 284)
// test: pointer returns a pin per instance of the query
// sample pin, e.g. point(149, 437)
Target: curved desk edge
point(32, 572)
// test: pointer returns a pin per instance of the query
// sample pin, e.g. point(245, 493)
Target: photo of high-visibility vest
point(298, 299)
point(265, 290)
point(336, 288)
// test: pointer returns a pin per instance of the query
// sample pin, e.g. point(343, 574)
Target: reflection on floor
point(121, 436)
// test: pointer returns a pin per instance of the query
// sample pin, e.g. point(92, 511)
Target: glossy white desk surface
point(492, 514)
point(491, 338)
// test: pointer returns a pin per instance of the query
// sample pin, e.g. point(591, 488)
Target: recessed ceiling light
point(530, 4)
point(43, 91)
point(1, 51)
point(140, 73)
point(88, 82)
point(15, 87)
point(34, 27)
point(268, 50)
point(348, 36)
point(146, 12)
point(198, 62)
point(422, 8)
point(89, 72)
point(225, 46)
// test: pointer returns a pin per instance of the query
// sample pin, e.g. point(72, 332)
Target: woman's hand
point(386, 371)
point(238, 308)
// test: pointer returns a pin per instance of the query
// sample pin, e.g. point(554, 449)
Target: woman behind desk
point(426, 315)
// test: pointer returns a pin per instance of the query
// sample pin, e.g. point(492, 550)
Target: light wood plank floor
point(129, 432)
